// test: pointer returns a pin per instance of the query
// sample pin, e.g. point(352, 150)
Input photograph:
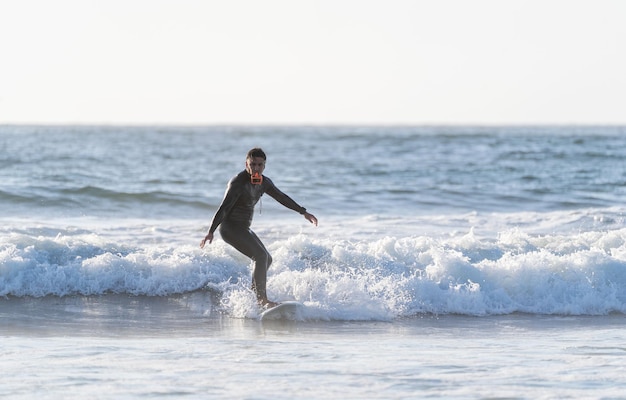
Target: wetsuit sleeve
point(282, 198)
point(230, 198)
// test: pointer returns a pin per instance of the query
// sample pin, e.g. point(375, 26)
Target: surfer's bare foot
point(265, 303)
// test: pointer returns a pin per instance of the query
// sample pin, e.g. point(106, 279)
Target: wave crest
point(382, 279)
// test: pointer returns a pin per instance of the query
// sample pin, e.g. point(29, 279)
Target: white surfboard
point(287, 310)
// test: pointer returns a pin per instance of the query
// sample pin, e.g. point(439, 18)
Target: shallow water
point(119, 346)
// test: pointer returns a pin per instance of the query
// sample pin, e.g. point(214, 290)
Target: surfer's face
point(255, 165)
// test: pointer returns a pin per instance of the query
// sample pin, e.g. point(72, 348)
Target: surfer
point(234, 217)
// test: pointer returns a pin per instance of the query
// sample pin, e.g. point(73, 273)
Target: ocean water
point(449, 262)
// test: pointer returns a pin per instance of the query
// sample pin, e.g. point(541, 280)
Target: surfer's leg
point(248, 243)
point(262, 261)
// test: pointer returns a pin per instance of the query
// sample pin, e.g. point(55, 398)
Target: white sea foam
point(340, 272)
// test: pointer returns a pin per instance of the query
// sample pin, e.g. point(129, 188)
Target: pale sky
point(313, 61)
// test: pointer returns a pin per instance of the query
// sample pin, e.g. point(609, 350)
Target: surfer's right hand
point(207, 238)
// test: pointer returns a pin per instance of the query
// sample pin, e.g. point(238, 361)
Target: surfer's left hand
point(311, 218)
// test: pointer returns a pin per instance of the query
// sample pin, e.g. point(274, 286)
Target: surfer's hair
point(256, 152)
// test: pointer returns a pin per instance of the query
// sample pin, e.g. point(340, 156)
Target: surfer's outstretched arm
point(287, 201)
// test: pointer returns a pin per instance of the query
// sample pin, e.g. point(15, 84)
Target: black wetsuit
point(234, 218)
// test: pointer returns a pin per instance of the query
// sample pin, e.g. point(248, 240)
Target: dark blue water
point(168, 171)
